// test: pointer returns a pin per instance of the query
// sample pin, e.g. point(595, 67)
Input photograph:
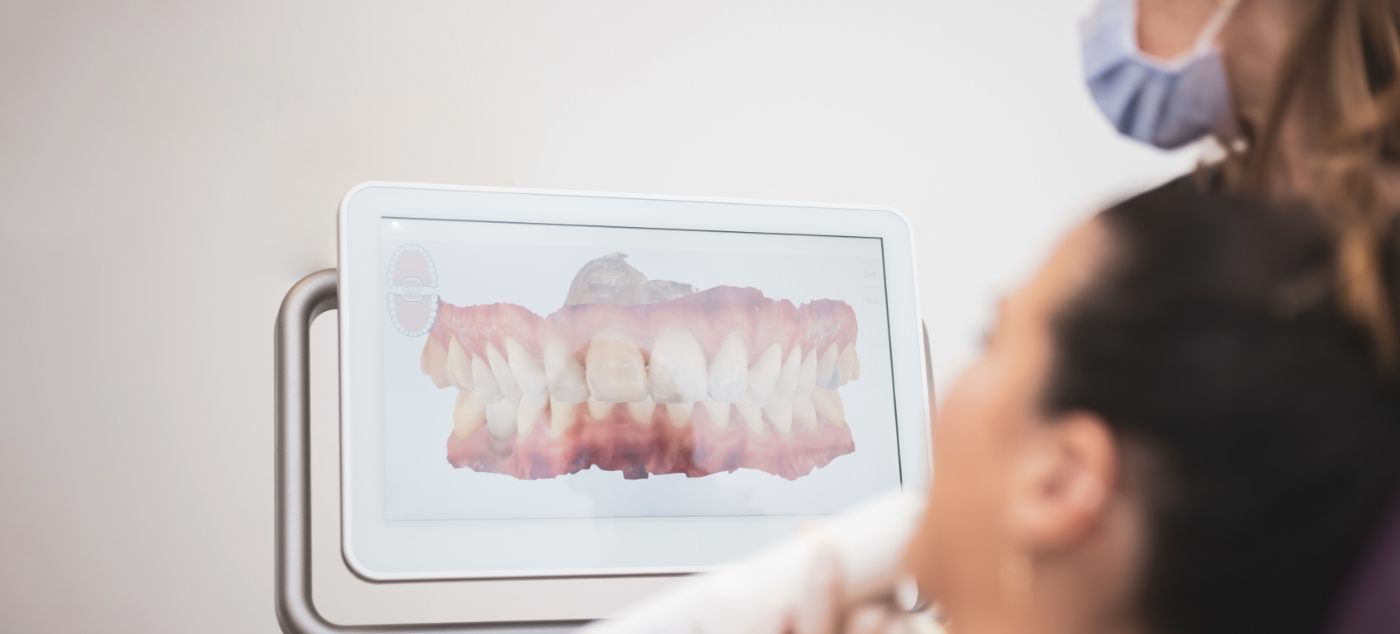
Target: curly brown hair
point(1340, 84)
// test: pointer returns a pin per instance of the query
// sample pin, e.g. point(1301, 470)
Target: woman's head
point(1310, 87)
point(1174, 425)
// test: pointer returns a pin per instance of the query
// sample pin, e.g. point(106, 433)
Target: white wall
point(167, 169)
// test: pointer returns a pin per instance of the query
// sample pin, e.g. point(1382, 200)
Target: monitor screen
point(572, 371)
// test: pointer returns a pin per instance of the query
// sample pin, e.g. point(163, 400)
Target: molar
point(849, 364)
point(459, 365)
point(501, 370)
point(614, 368)
point(804, 414)
point(729, 372)
point(527, 372)
point(467, 415)
point(827, 376)
point(828, 404)
point(763, 374)
point(564, 373)
point(500, 417)
point(677, 368)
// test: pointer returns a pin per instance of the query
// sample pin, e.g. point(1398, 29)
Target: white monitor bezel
point(384, 546)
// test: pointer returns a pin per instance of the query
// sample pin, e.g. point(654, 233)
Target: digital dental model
point(645, 377)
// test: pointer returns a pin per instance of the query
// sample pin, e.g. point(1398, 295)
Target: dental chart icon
point(412, 290)
point(644, 377)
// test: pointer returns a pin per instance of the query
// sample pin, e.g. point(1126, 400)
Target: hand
point(826, 612)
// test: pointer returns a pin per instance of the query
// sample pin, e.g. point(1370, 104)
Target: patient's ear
point(1061, 481)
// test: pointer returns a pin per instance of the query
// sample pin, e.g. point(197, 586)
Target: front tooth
point(527, 372)
point(828, 404)
point(561, 416)
point(600, 410)
point(564, 373)
point(806, 377)
point(679, 413)
point(787, 378)
point(528, 415)
point(434, 362)
point(484, 382)
point(467, 415)
point(804, 414)
point(729, 372)
point(641, 411)
point(763, 374)
point(779, 413)
point(752, 416)
point(848, 364)
point(615, 369)
point(718, 412)
point(827, 376)
point(501, 370)
point(677, 369)
point(500, 417)
point(459, 365)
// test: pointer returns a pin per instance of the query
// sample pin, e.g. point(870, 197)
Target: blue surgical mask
point(1167, 103)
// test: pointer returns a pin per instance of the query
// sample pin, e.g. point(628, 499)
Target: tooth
point(500, 418)
point(779, 413)
point(484, 382)
point(615, 369)
point(806, 377)
point(459, 365)
point(527, 372)
point(804, 414)
point(467, 415)
point(564, 373)
point(826, 368)
point(848, 364)
point(677, 369)
point(600, 410)
point(501, 370)
point(787, 378)
point(828, 404)
point(763, 374)
point(679, 413)
point(434, 362)
point(529, 413)
point(718, 412)
point(561, 416)
point(752, 415)
point(641, 411)
point(729, 372)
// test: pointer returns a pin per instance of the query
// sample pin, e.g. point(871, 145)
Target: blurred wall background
point(168, 169)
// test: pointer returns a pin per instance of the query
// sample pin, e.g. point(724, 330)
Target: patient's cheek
point(960, 526)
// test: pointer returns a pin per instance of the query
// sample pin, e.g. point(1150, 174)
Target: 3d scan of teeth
point(646, 377)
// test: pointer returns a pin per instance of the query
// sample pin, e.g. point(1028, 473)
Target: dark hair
point(1212, 343)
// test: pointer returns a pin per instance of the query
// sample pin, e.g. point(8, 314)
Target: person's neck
point(1060, 607)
